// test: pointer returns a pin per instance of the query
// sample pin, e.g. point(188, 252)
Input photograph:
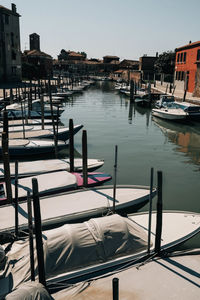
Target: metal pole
point(30, 230)
point(159, 215)
point(115, 285)
point(115, 178)
point(150, 210)
point(71, 145)
point(38, 232)
point(16, 199)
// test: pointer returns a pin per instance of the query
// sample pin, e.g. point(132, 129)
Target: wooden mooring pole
point(71, 145)
point(159, 214)
point(6, 164)
point(115, 286)
point(30, 230)
point(38, 232)
point(53, 121)
point(132, 90)
point(150, 210)
point(84, 158)
point(115, 179)
point(16, 200)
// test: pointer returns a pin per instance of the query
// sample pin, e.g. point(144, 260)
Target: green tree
point(165, 63)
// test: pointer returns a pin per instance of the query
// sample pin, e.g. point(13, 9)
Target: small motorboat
point(18, 114)
point(28, 147)
point(170, 113)
point(63, 133)
point(27, 122)
point(36, 167)
point(52, 183)
point(78, 205)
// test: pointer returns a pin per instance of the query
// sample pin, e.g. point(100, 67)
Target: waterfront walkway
point(178, 94)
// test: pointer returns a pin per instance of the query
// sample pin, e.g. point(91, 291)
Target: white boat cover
point(75, 246)
point(29, 291)
point(18, 142)
point(48, 165)
point(46, 182)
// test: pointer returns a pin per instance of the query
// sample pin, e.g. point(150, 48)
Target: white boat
point(18, 114)
point(164, 101)
point(52, 183)
point(31, 168)
point(62, 134)
point(26, 147)
point(174, 276)
point(36, 106)
point(192, 110)
point(78, 205)
point(27, 122)
point(98, 246)
point(173, 114)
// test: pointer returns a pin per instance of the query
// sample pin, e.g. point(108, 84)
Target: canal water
point(143, 142)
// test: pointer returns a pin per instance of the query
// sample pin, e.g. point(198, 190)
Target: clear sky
point(125, 28)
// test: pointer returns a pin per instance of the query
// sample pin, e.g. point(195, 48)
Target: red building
point(186, 66)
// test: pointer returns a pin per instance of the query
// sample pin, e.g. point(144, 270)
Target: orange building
point(186, 66)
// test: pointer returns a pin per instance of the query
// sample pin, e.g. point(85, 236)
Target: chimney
point(156, 54)
point(14, 10)
point(190, 42)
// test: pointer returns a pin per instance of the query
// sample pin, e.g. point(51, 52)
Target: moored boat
point(78, 205)
point(28, 147)
point(98, 246)
point(63, 133)
point(173, 114)
point(36, 167)
point(52, 183)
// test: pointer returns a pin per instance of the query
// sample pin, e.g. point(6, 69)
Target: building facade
point(10, 53)
point(146, 66)
point(186, 66)
point(35, 63)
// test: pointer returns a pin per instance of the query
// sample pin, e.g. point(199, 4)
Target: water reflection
point(186, 137)
point(133, 108)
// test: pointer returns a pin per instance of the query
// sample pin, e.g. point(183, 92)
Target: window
point(198, 54)
point(7, 19)
point(14, 70)
point(184, 56)
point(181, 57)
point(12, 39)
point(14, 55)
point(178, 57)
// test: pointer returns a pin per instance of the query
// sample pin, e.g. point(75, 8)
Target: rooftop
point(188, 46)
point(9, 11)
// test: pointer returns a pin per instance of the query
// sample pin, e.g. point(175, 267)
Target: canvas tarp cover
point(74, 246)
point(29, 291)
